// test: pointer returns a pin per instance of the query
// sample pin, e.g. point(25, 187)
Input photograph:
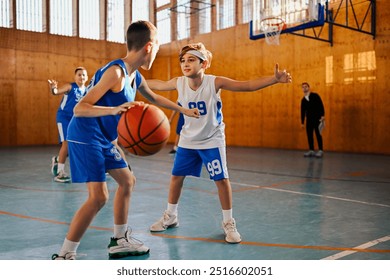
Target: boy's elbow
point(76, 110)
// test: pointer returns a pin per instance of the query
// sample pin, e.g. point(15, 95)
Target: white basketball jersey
point(208, 131)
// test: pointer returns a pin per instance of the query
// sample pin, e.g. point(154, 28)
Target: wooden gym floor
point(287, 207)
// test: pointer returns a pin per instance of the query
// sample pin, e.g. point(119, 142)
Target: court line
point(363, 246)
point(272, 187)
point(211, 240)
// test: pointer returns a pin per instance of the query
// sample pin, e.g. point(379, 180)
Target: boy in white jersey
point(203, 140)
point(92, 139)
point(72, 93)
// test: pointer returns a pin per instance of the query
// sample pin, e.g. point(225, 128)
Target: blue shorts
point(62, 126)
point(89, 163)
point(180, 123)
point(189, 162)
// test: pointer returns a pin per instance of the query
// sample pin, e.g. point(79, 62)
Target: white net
point(272, 28)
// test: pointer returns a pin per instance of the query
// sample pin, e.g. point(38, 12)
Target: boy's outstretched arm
point(159, 100)
point(252, 85)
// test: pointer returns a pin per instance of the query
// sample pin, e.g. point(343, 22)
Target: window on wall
point(164, 26)
point(29, 15)
point(183, 19)
point(140, 10)
point(116, 21)
point(5, 13)
point(160, 3)
point(247, 11)
point(204, 17)
point(61, 17)
point(89, 19)
point(226, 13)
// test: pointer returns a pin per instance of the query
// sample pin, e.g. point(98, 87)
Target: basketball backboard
point(295, 15)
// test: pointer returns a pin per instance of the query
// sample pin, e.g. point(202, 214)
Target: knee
point(100, 200)
point(128, 186)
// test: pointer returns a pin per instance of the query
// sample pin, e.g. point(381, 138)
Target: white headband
point(197, 54)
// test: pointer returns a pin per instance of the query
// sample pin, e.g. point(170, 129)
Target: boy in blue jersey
point(93, 148)
point(72, 93)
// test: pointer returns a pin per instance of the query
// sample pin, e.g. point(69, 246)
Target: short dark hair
point(139, 33)
point(79, 68)
point(305, 83)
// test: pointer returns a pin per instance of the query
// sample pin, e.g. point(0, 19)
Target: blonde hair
point(200, 48)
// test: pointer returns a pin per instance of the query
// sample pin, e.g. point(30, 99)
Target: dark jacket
point(313, 109)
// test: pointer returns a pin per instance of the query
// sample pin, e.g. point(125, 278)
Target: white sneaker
point(62, 177)
point(54, 165)
point(319, 154)
point(126, 246)
point(231, 233)
point(68, 256)
point(166, 221)
point(309, 154)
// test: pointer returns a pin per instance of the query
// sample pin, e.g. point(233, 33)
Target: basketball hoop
point(272, 27)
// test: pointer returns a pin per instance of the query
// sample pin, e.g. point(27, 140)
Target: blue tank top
point(102, 131)
point(70, 100)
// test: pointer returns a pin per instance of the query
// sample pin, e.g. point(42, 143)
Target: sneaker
point(231, 233)
point(54, 166)
point(319, 154)
point(166, 221)
point(68, 256)
point(62, 177)
point(126, 246)
point(309, 154)
point(173, 151)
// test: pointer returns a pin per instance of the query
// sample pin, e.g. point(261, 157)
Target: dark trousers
point(312, 126)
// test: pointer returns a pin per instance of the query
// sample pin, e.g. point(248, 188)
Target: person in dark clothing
point(313, 109)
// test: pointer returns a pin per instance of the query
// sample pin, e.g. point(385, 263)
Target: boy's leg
point(122, 244)
point(126, 181)
point(63, 154)
point(216, 164)
point(224, 193)
point(62, 176)
point(98, 196)
point(169, 218)
point(187, 162)
point(228, 223)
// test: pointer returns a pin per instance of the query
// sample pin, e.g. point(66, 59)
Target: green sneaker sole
point(126, 254)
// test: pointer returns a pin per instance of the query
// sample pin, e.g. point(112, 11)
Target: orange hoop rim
point(278, 24)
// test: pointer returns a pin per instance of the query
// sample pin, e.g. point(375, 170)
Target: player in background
point(71, 94)
point(179, 125)
point(203, 140)
point(312, 109)
point(92, 141)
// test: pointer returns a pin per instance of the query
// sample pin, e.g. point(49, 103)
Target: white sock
point(61, 167)
point(68, 246)
point(227, 215)
point(120, 230)
point(172, 208)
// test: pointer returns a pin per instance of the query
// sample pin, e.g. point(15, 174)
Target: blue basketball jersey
point(102, 131)
point(69, 100)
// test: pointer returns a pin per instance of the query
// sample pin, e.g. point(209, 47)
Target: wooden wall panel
point(351, 78)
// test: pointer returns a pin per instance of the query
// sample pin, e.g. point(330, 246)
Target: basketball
point(143, 130)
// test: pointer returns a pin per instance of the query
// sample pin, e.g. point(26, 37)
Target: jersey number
point(214, 167)
point(201, 105)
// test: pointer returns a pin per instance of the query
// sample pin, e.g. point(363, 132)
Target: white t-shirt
point(208, 131)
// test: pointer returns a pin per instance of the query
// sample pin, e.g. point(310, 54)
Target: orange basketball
point(143, 130)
